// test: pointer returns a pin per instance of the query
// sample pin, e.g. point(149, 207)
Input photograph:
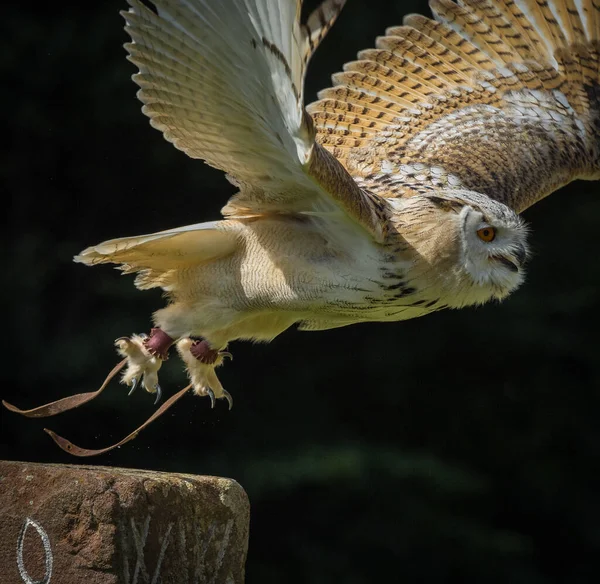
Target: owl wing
point(224, 81)
point(497, 96)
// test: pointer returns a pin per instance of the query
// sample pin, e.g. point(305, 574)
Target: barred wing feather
point(498, 96)
point(224, 83)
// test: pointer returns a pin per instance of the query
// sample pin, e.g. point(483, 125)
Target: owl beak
point(507, 263)
point(520, 254)
point(515, 260)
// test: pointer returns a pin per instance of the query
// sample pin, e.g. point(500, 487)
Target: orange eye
point(486, 234)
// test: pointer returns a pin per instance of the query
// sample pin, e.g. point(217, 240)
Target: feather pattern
point(497, 97)
point(225, 84)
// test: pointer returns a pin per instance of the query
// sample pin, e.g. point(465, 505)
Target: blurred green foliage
point(462, 447)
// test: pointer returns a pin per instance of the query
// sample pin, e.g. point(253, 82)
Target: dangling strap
point(77, 451)
point(66, 403)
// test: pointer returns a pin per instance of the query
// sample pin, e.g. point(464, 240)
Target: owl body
point(323, 273)
point(396, 194)
point(318, 271)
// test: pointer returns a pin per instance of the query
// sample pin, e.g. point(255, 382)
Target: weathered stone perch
point(64, 524)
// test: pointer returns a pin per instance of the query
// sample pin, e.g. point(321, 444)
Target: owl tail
point(158, 256)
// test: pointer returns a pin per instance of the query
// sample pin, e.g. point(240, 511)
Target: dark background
point(461, 447)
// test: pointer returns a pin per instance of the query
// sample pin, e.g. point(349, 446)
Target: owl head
point(491, 245)
point(471, 248)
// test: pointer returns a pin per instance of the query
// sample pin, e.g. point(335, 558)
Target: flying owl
point(396, 194)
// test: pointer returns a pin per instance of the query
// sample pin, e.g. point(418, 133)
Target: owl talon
point(144, 355)
point(201, 361)
point(158, 389)
point(134, 385)
point(211, 395)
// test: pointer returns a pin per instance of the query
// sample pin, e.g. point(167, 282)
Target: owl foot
point(145, 355)
point(201, 362)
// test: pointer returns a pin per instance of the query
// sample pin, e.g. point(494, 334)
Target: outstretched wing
point(498, 96)
point(224, 82)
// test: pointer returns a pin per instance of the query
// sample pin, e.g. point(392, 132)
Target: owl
point(395, 195)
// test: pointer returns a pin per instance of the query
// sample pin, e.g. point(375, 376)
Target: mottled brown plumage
point(473, 100)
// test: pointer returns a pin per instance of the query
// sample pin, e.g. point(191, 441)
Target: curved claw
point(226, 354)
point(158, 389)
point(134, 385)
point(211, 395)
point(228, 397)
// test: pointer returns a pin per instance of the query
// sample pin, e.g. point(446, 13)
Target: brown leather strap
point(66, 403)
point(77, 451)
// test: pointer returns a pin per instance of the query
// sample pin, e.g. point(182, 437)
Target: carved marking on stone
point(183, 546)
point(222, 549)
point(138, 535)
point(161, 554)
point(200, 571)
point(47, 553)
point(125, 554)
point(139, 540)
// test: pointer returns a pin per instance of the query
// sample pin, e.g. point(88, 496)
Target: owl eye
point(486, 234)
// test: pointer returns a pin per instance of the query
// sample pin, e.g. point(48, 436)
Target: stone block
point(71, 524)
